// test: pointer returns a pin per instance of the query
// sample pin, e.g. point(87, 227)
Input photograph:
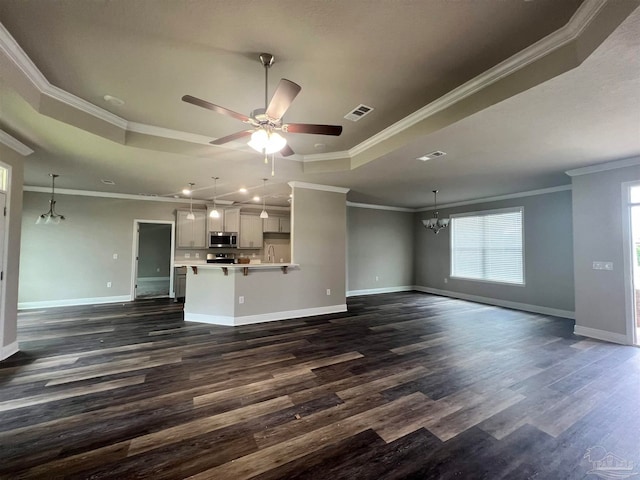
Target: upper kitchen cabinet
point(232, 220)
point(215, 224)
point(191, 233)
point(275, 224)
point(250, 231)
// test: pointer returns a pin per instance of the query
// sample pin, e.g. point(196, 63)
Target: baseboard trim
point(263, 317)
point(8, 350)
point(499, 303)
point(375, 291)
point(601, 335)
point(70, 302)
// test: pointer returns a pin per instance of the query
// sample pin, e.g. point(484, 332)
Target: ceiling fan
point(267, 122)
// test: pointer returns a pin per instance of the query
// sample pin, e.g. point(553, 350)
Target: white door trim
point(134, 250)
point(627, 269)
point(5, 257)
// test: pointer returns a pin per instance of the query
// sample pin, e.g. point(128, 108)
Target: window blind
point(488, 246)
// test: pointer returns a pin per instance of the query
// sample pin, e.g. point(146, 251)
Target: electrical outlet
point(108, 284)
point(602, 265)
point(197, 255)
point(187, 255)
point(115, 256)
point(241, 299)
point(446, 280)
point(377, 278)
point(158, 270)
point(328, 291)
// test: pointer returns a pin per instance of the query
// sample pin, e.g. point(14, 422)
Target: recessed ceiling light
point(256, 198)
point(320, 146)
point(115, 101)
point(431, 156)
point(108, 182)
point(243, 190)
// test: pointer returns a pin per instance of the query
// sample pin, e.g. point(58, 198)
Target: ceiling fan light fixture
point(267, 142)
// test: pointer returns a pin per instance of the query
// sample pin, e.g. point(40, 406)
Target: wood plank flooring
point(403, 386)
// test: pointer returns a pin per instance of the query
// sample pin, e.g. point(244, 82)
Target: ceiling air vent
point(108, 182)
point(432, 155)
point(358, 112)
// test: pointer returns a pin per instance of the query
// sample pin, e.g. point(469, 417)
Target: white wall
point(380, 250)
point(598, 210)
point(548, 257)
point(74, 260)
point(9, 322)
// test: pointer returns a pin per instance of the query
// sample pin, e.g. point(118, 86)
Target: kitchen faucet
point(271, 254)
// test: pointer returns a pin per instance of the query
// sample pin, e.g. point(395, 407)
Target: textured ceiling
point(394, 56)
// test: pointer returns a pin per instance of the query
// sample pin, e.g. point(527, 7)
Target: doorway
point(153, 259)
point(635, 258)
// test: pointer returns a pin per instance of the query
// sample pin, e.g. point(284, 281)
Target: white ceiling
point(394, 56)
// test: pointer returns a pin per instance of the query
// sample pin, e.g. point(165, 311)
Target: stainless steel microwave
point(223, 240)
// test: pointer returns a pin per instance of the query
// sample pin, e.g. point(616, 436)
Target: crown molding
point(380, 207)
point(169, 133)
point(14, 144)
point(17, 55)
point(578, 22)
point(530, 193)
point(576, 25)
point(314, 186)
point(603, 167)
point(126, 196)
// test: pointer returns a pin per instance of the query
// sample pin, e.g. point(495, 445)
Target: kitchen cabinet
point(191, 233)
point(275, 224)
point(179, 282)
point(250, 231)
point(215, 224)
point(232, 220)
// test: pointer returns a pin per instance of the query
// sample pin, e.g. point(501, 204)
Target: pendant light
point(264, 213)
point(51, 216)
point(214, 213)
point(190, 215)
point(435, 224)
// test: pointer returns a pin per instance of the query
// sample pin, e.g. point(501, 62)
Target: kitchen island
point(240, 294)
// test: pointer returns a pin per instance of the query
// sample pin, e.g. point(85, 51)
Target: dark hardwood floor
point(404, 385)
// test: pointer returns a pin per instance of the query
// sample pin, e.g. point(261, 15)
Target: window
point(488, 246)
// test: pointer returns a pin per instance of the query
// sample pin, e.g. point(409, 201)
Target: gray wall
point(548, 254)
point(597, 224)
point(12, 267)
point(74, 260)
point(380, 244)
point(154, 250)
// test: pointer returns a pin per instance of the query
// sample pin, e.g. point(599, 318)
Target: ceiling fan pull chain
point(273, 164)
point(266, 158)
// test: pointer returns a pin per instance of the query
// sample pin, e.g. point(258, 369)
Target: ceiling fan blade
point(312, 128)
point(286, 151)
point(282, 98)
point(216, 108)
point(232, 137)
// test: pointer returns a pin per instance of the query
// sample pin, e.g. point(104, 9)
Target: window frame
point(483, 213)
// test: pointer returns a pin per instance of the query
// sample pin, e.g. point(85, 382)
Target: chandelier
point(435, 224)
point(51, 216)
